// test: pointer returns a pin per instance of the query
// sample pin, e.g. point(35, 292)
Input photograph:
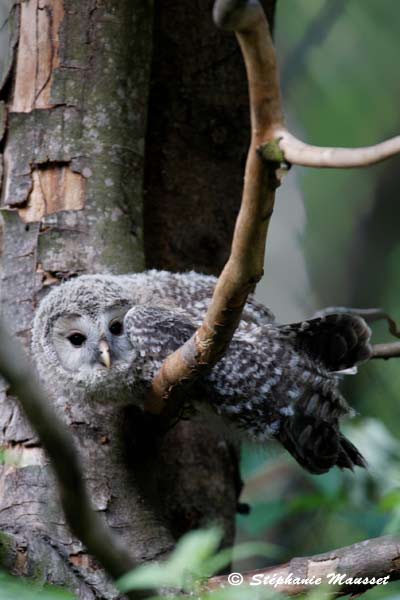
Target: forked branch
point(296, 152)
point(246, 262)
point(272, 142)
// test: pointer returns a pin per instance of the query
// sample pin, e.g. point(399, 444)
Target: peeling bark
point(71, 203)
point(38, 54)
point(54, 189)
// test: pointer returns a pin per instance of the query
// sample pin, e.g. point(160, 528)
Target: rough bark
point(198, 137)
point(350, 570)
point(76, 95)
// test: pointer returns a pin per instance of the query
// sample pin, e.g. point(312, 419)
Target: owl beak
point(105, 357)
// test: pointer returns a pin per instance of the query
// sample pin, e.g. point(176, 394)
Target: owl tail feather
point(339, 341)
point(318, 445)
point(349, 455)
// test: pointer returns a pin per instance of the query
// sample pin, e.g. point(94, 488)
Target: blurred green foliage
point(339, 74)
point(12, 588)
point(196, 558)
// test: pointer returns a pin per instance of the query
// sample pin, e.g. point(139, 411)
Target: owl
point(103, 337)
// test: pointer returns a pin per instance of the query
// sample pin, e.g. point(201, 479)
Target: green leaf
point(14, 588)
point(240, 552)
point(390, 501)
point(242, 592)
point(194, 559)
point(177, 572)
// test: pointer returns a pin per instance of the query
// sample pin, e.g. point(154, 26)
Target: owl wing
point(191, 292)
point(274, 381)
point(155, 332)
point(339, 341)
point(281, 381)
point(254, 314)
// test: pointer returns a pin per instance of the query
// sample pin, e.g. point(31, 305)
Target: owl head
point(78, 337)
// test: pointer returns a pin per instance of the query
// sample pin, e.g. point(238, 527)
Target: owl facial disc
point(89, 342)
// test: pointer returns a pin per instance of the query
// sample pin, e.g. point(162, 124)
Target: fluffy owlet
point(104, 337)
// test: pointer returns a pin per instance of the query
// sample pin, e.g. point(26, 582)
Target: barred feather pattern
point(275, 381)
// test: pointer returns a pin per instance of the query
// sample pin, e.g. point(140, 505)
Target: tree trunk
point(75, 101)
point(197, 140)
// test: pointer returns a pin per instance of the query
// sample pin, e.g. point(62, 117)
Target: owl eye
point(77, 339)
point(116, 327)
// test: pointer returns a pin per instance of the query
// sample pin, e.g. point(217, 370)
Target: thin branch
point(370, 315)
point(85, 523)
point(246, 262)
point(386, 351)
point(296, 152)
point(374, 559)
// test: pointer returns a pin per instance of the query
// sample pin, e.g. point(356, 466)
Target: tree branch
point(371, 315)
point(388, 350)
point(373, 559)
point(246, 262)
point(271, 141)
point(296, 152)
point(89, 527)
